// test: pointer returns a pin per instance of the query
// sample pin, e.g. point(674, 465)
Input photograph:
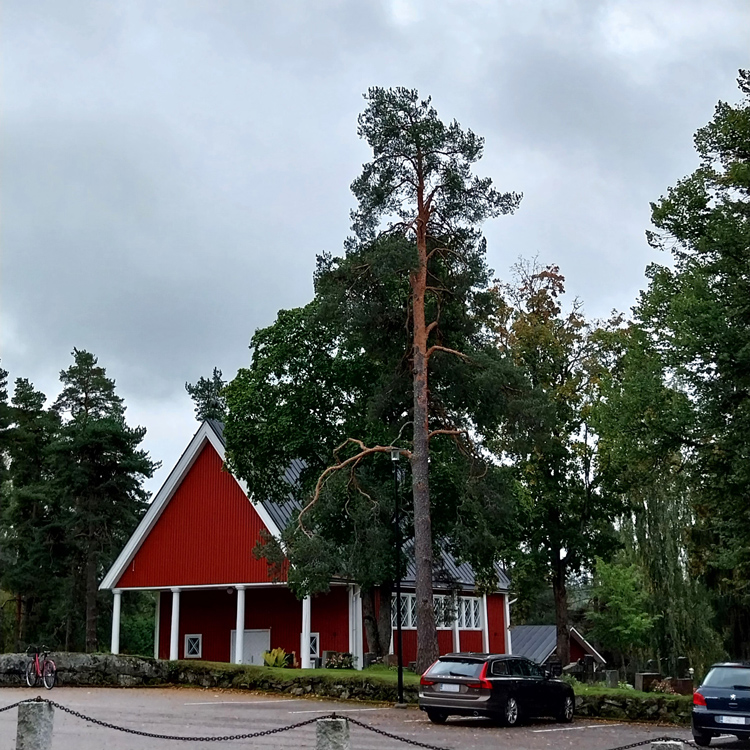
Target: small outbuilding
point(216, 601)
point(539, 643)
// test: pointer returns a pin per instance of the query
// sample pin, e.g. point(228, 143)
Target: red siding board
point(205, 534)
point(471, 640)
point(329, 617)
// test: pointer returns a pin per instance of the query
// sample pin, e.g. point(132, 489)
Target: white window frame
point(441, 603)
point(314, 645)
point(199, 637)
point(470, 616)
point(409, 605)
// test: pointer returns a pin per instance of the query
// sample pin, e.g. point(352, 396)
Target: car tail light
point(423, 679)
point(483, 681)
point(698, 699)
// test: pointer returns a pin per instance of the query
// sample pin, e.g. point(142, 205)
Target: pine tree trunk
point(427, 643)
point(91, 596)
point(561, 612)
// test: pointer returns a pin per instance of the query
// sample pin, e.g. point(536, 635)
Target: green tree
point(208, 397)
point(565, 517)
point(620, 617)
point(29, 519)
point(642, 423)
point(696, 316)
point(99, 470)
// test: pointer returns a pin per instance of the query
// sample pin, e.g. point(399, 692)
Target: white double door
point(256, 643)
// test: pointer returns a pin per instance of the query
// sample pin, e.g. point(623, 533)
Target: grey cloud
point(170, 169)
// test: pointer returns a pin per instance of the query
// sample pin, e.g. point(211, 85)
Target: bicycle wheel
point(49, 674)
point(31, 674)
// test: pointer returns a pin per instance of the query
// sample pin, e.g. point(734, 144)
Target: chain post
point(35, 721)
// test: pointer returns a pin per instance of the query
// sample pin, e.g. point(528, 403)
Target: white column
point(356, 647)
point(304, 639)
point(115, 647)
point(174, 634)
point(239, 632)
point(485, 626)
point(508, 644)
point(157, 624)
point(456, 634)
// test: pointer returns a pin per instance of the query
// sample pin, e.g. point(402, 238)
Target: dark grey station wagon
point(507, 688)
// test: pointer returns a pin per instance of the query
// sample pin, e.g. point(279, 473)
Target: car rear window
point(457, 668)
point(735, 678)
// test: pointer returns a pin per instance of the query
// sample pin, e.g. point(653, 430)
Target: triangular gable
point(586, 646)
point(199, 529)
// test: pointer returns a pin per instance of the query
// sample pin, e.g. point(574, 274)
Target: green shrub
point(276, 657)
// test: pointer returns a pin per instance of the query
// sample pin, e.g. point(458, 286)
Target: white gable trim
point(205, 434)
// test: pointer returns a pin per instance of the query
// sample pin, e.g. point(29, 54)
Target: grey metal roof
point(447, 573)
point(535, 642)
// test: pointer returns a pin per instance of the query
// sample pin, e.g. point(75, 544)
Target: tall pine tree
point(99, 470)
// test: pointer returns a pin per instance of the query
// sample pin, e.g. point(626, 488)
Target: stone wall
point(128, 671)
point(90, 669)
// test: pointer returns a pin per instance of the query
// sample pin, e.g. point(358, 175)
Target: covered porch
point(238, 622)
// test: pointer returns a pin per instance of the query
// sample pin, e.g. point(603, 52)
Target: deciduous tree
point(565, 517)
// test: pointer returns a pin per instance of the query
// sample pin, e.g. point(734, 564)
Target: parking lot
point(195, 712)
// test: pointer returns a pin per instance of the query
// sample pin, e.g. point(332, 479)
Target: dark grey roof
point(535, 642)
point(448, 573)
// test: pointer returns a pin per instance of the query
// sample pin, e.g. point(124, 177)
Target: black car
point(721, 705)
point(498, 686)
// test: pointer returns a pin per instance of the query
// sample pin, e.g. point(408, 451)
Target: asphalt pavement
point(194, 712)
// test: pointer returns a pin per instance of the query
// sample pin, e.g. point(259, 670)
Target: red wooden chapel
point(217, 602)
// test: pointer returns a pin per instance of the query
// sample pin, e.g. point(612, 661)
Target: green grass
point(376, 672)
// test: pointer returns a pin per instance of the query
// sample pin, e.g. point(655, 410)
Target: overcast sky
point(171, 168)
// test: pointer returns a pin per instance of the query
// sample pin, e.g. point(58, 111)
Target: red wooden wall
point(205, 534)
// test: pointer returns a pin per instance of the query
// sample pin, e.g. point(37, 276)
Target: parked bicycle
point(40, 667)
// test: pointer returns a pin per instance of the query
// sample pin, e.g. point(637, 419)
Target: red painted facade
point(205, 535)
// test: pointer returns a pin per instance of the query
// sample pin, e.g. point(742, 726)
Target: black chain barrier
point(12, 705)
point(278, 730)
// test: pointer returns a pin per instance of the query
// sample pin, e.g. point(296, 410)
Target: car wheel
point(437, 717)
point(567, 710)
point(702, 740)
point(511, 713)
